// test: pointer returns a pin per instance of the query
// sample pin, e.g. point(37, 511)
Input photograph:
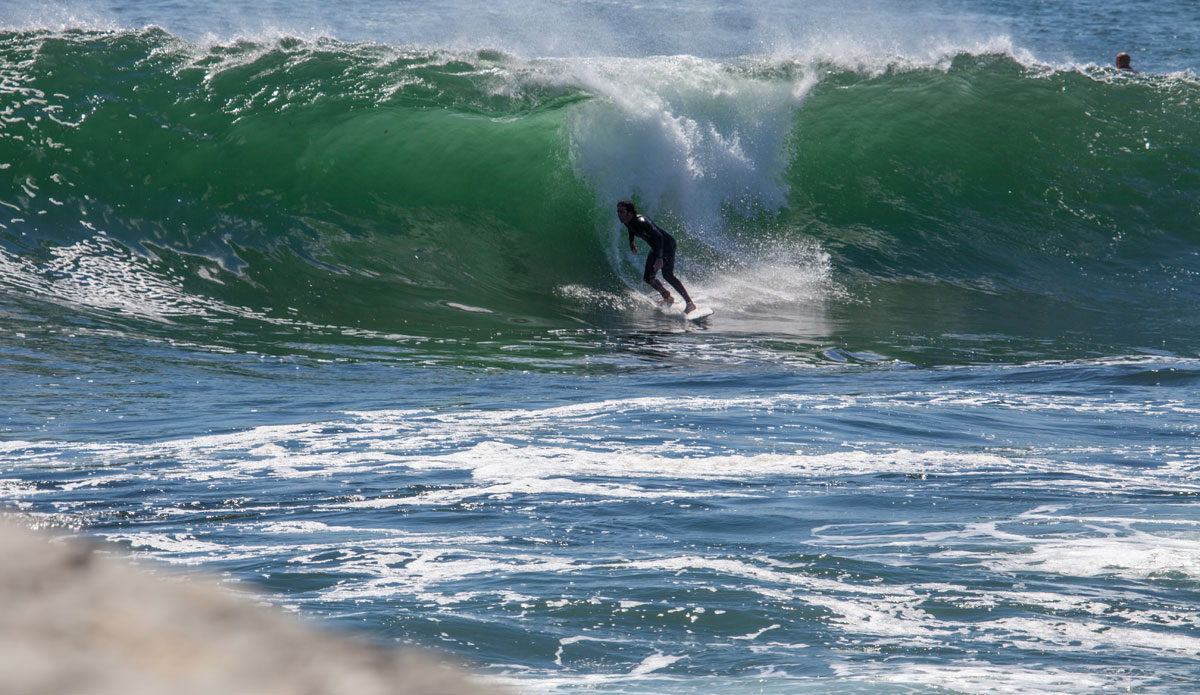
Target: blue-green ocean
point(330, 300)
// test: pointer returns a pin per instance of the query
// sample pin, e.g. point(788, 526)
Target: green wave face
point(991, 169)
point(344, 183)
point(364, 186)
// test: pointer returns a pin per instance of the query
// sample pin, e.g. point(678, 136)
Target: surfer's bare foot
point(691, 306)
point(668, 300)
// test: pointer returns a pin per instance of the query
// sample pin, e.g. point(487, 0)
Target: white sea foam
point(183, 549)
point(979, 676)
point(654, 662)
point(685, 134)
point(515, 447)
point(1105, 548)
point(94, 274)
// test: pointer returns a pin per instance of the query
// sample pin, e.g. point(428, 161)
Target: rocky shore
point(75, 620)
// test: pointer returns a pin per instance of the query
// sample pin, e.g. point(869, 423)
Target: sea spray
point(695, 137)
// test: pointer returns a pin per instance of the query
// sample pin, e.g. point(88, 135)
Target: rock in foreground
point(74, 621)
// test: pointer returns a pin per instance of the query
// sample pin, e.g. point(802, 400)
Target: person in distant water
point(661, 256)
point(1123, 62)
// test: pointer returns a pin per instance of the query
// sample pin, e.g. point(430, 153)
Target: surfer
point(661, 256)
point(1123, 62)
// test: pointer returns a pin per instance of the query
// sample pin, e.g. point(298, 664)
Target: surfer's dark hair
point(628, 205)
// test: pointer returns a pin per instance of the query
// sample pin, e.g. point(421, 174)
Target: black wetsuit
point(662, 245)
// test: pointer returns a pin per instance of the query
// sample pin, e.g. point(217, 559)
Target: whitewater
point(333, 302)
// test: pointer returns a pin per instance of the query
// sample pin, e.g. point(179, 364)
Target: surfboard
point(676, 309)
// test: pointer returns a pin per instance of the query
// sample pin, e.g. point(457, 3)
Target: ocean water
point(330, 299)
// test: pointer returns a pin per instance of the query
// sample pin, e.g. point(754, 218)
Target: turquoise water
point(333, 302)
